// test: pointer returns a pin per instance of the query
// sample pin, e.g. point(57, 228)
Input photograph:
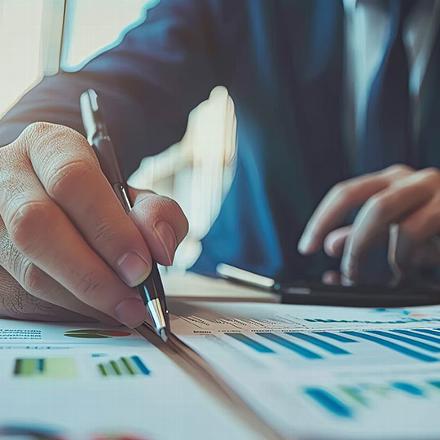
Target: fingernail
point(167, 237)
point(133, 269)
point(348, 268)
point(404, 249)
point(304, 245)
point(131, 312)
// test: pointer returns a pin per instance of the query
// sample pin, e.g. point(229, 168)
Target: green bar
point(102, 370)
point(59, 368)
point(355, 393)
point(128, 365)
point(29, 367)
point(116, 368)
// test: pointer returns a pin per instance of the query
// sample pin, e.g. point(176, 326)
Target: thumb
point(161, 222)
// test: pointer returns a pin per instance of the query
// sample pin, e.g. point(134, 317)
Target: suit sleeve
point(148, 84)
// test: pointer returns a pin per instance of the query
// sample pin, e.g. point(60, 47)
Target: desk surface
point(190, 286)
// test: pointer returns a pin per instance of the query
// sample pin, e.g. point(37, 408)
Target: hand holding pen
point(69, 250)
point(150, 289)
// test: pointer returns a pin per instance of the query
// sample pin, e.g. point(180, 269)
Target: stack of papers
point(71, 382)
point(324, 372)
point(300, 371)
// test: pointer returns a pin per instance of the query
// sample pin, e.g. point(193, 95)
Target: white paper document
point(89, 383)
point(324, 372)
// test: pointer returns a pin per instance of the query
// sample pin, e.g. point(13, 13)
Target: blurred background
point(39, 37)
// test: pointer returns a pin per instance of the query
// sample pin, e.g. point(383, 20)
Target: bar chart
point(351, 371)
point(124, 366)
point(421, 345)
point(346, 401)
point(53, 368)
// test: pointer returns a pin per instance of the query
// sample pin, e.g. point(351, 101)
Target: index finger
point(70, 173)
point(375, 218)
point(340, 200)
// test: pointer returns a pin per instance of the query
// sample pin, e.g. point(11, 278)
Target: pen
point(151, 290)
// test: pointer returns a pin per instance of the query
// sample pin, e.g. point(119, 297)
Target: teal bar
point(393, 346)
point(298, 349)
point(435, 333)
point(329, 402)
point(333, 349)
point(251, 343)
point(142, 367)
point(336, 337)
point(415, 343)
point(408, 388)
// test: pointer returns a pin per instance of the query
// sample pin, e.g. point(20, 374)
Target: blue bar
point(329, 402)
point(431, 332)
point(322, 344)
point(408, 388)
point(336, 337)
point(396, 347)
point(291, 346)
point(250, 342)
point(418, 344)
point(419, 335)
point(138, 361)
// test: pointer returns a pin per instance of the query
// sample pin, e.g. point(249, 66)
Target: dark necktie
point(388, 129)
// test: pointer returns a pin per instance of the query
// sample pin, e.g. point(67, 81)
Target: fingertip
point(333, 245)
point(349, 268)
point(133, 268)
point(329, 246)
point(306, 246)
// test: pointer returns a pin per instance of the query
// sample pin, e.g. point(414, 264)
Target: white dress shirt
point(367, 31)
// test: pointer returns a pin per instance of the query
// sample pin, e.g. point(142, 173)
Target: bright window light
point(94, 26)
point(20, 48)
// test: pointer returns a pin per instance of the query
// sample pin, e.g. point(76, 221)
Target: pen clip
point(91, 116)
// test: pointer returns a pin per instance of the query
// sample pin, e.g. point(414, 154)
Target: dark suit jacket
point(283, 64)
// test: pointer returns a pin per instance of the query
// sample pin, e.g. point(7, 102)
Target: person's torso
point(289, 88)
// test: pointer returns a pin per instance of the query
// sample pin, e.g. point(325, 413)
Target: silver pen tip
point(163, 334)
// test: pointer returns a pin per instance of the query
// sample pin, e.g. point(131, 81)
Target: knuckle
point(35, 132)
point(30, 277)
point(26, 223)
point(398, 168)
point(376, 206)
point(343, 192)
point(105, 233)
point(38, 128)
point(339, 189)
point(88, 287)
point(45, 140)
point(65, 178)
point(430, 175)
